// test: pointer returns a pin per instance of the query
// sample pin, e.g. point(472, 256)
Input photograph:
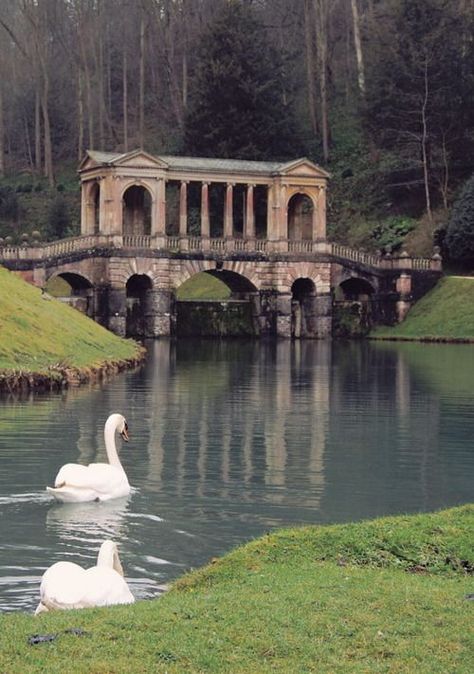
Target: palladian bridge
point(149, 223)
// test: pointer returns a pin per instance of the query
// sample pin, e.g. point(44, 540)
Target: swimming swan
point(97, 481)
point(66, 585)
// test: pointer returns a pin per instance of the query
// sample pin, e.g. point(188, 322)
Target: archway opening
point(300, 217)
point(138, 290)
point(303, 292)
point(355, 289)
point(352, 310)
point(216, 303)
point(73, 289)
point(136, 211)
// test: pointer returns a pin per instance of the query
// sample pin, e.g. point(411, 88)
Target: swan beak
point(124, 433)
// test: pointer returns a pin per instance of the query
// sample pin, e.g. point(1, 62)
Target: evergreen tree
point(459, 239)
point(59, 219)
point(237, 93)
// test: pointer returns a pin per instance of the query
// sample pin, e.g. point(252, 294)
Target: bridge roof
point(210, 164)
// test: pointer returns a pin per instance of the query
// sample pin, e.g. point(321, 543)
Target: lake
point(229, 440)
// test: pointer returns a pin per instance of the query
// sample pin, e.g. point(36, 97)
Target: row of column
point(249, 219)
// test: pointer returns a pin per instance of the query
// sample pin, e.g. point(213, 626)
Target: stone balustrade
point(195, 244)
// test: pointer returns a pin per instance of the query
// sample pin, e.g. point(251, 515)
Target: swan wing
point(104, 587)
point(99, 477)
point(61, 585)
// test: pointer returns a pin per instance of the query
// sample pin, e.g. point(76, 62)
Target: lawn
point(445, 313)
point(38, 332)
point(390, 595)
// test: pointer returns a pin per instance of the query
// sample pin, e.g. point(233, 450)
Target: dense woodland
point(379, 92)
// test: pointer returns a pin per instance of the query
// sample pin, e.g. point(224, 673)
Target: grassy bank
point(383, 596)
point(46, 337)
point(445, 313)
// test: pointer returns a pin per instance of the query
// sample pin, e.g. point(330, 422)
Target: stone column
point(205, 231)
point(158, 220)
point(321, 233)
point(283, 224)
point(86, 219)
point(228, 212)
point(249, 227)
point(118, 311)
point(272, 233)
point(183, 208)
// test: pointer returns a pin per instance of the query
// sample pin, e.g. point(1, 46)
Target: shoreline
point(433, 340)
point(57, 378)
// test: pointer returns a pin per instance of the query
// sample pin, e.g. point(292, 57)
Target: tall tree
point(236, 106)
point(418, 98)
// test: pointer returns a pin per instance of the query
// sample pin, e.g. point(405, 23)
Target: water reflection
point(229, 440)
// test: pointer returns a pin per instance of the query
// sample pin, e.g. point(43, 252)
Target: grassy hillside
point(391, 595)
point(446, 312)
point(38, 333)
point(203, 286)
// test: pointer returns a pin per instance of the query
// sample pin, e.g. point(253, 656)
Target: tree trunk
point(358, 47)
point(310, 73)
point(80, 116)
point(321, 15)
point(141, 103)
point(125, 98)
point(424, 140)
point(48, 154)
point(2, 135)
point(38, 157)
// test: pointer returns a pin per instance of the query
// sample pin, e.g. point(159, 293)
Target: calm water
point(229, 440)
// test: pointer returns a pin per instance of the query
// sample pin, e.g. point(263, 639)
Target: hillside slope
point(38, 333)
point(445, 313)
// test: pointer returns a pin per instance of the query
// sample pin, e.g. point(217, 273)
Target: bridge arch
point(76, 290)
point(190, 268)
point(137, 208)
point(355, 289)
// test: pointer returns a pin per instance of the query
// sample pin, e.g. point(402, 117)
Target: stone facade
point(270, 248)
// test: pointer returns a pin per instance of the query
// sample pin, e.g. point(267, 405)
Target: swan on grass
point(97, 481)
point(66, 585)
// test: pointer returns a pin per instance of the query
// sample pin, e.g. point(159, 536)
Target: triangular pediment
point(135, 158)
point(302, 167)
point(140, 158)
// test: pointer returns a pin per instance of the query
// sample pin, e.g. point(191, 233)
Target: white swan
point(66, 585)
point(97, 481)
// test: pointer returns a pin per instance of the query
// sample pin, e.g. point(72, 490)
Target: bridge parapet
point(222, 246)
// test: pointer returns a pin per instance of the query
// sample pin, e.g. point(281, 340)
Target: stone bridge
point(149, 223)
point(129, 283)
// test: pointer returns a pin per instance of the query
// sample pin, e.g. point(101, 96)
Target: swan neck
point(110, 447)
point(108, 557)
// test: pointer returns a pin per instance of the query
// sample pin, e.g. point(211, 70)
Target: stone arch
point(304, 270)
point(91, 206)
point(303, 292)
point(190, 268)
point(301, 212)
point(80, 294)
point(355, 289)
point(121, 270)
point(137, 209)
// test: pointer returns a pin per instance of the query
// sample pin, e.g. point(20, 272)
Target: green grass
point(37, 334)
point(203, 286)
point(445, 313)
point(381, 596)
